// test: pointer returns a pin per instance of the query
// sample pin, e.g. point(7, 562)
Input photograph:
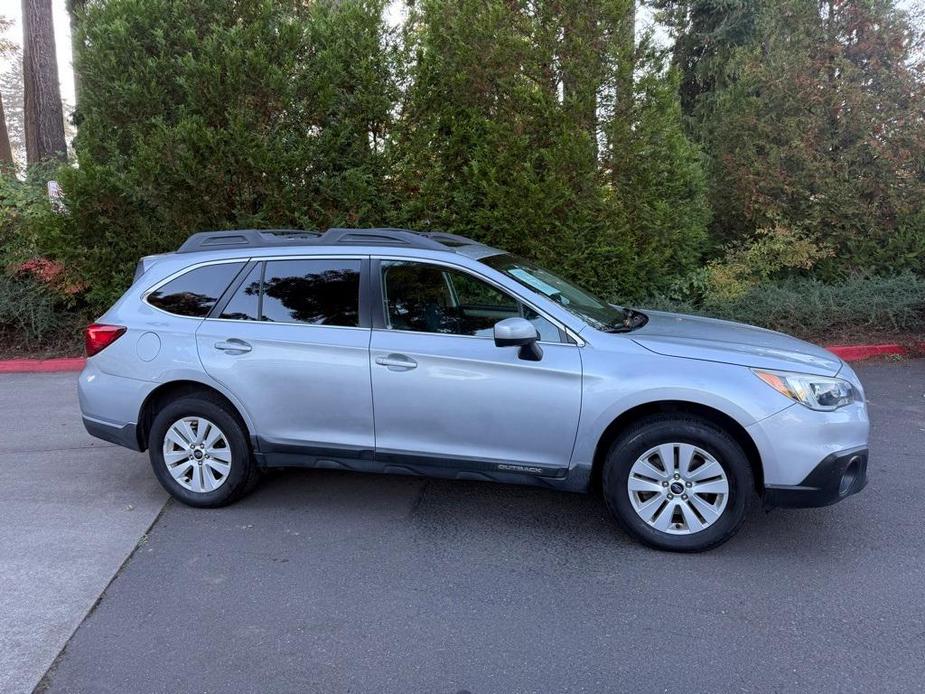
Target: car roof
point(209, 245)
point(384, 237)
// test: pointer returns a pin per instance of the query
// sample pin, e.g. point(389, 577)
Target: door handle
point(397, 362)
point(233, 346)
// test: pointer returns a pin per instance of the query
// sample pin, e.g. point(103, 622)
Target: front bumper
point(838, 476)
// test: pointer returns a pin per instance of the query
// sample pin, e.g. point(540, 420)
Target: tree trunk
point(44, 116)
point(6, 152)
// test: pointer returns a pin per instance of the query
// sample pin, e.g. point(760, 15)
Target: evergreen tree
point(209, 114)
point(822, 133)
point(485, 147)
point(497, 140)
point(658, 176)
point(706, 35)
point(519, 123)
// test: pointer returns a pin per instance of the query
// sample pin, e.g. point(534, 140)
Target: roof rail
point(380, 237)
point(262, 238)
point(246, 238)
point(448, 239)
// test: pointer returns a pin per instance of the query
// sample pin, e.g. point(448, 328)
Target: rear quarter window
point(195, 293)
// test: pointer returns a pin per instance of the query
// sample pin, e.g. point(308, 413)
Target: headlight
point(816, 392)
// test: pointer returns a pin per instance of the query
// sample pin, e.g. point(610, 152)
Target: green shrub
point(858, 307)
point(33, 317)
point(28, 219)
point(40, 300)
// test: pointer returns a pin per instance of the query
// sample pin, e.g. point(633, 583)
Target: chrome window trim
point(470, 337)
point(309, 256)
point(279, 322)
point(579, 342)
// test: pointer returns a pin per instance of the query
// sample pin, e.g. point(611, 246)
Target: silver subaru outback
point(385, 350)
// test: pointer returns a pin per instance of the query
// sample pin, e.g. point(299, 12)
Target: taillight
point(98, 337)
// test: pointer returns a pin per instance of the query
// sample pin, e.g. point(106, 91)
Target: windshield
point(596, 312)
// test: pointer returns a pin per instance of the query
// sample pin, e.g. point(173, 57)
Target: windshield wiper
point(631, 321)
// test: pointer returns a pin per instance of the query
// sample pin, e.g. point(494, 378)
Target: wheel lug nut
point(689, 484)
point(677, 476)
point(684, 496)
point(664, 484)
point(670, 497)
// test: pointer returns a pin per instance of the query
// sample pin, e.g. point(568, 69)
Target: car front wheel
point(678, 483)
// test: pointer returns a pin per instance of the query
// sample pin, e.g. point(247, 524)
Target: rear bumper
point(837, 477)
point(124, 435)
point(110, 404)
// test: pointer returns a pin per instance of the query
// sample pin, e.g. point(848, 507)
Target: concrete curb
point(846, 352)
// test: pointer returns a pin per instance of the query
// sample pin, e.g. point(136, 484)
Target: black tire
point(243, 474)
point(660, 429)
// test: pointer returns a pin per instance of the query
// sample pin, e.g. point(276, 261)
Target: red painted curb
point(16, 366)
point(859, 352)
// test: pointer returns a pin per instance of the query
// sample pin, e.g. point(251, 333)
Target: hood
point(693, 337)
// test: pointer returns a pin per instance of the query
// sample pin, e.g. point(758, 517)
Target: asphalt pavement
point(72, 509)
point(323, 581)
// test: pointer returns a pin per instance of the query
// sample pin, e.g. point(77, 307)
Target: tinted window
point(433, 299)
point(320, 292)
point(195, 292)
point(244, 305)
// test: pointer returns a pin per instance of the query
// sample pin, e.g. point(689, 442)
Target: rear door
point(447, 397)
point(291, 341)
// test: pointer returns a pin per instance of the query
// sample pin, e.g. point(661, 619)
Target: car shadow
point(453, 512)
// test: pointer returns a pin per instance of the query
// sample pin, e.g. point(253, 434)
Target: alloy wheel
point(197, 454)
point(678, 488)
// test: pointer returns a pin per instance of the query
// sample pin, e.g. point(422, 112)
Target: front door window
point(420, 297)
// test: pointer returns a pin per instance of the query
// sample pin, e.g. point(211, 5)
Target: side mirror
point(519, 332)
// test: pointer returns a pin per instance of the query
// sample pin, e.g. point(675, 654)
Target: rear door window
point(196, 292)
point(322, 291)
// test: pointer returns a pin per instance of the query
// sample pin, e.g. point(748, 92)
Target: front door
point(292, 345)
point(446, 396)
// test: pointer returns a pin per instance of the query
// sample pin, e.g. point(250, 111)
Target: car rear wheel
point(678, 483)
point(200, 453)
